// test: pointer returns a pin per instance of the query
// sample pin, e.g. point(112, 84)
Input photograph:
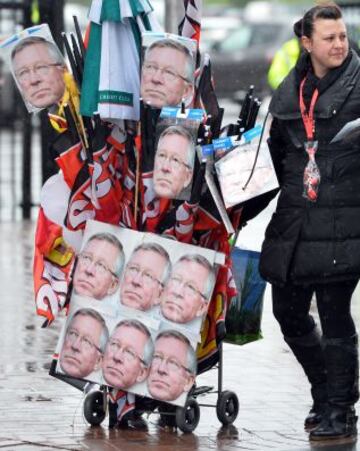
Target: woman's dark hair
point(305, 26)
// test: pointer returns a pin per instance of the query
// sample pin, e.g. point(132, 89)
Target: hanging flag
point(119, 82)
point(53, 262)
point(205, 94)
point(190, 25)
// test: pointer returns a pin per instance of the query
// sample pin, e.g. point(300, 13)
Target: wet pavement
point(39, 412)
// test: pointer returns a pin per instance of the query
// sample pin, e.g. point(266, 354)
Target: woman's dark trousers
point(329, 361)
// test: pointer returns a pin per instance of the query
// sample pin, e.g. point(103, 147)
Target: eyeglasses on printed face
point(40, 69)
point(168, 74)
point(129, 355)
point(175, 163)
point(136, 271)
point(100, 268)
point(189, 289)
point(172, 364)
point(73, 336)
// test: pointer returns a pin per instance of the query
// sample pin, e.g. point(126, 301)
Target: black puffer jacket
point(308, 242)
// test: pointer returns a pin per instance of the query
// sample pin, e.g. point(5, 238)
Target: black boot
point(309, 353)
point(342, 364)
point(133, 420)
point(315, 415)
point(339, 424)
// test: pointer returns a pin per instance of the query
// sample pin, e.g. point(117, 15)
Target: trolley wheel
point(94, 408)
point(227, 407)
point(187, 417)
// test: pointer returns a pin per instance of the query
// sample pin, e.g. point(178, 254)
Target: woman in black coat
point(312, 244)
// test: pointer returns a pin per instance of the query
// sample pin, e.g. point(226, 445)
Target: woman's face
point(328, 45)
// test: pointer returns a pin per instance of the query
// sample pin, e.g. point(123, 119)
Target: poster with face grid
point(137, 305)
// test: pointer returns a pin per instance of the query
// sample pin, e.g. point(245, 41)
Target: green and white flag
point(119, 84)
point(111, 82)
point(117, 10)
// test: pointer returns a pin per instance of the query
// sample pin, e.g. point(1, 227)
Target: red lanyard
point(308, 118)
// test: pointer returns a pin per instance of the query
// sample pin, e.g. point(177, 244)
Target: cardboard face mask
point(167, 74)
point(175, 156)
point(37, 66)
point(174, 163)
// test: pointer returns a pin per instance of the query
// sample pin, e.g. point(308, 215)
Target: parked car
point(244, 56)
point(351, 15)
point(216, 29)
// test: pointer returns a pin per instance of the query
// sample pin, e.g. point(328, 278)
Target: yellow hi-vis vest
point(35, 13)
point(284, 60)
